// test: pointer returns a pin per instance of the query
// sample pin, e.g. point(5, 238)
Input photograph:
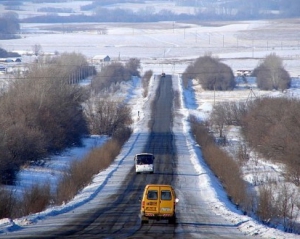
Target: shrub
point(271, 127)
point(107, 116)
point(80, 173)
point(35, 199)
point(39, 114)
point(115, 73)
point(145, 81)
point(222, 165)
point(7, 203)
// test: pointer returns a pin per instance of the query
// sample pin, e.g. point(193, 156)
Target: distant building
point(98, 59)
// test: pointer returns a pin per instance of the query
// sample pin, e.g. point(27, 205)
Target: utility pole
point(251, 94)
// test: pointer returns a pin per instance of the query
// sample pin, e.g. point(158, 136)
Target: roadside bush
point(115, 73)
point(210, 73)
point(81, 172)
point(7, 203)
point(145, 81)
point(223, 166)
point(122, 134)
point(68, 67)
point(35, 199)
point(106, 117)
point(266, 210)
point(292, 169)
point(133, 66)
point(177, 100)
point(271, 126)
point(278, 209)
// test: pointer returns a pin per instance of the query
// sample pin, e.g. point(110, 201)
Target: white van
point(144, 163)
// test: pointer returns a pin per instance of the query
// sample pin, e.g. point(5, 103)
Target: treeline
point(5, 54)
point(273, 209)
point(247, 10)
point(111, 15)
point(47, 111)
point(212, 74)
point(40, 114)
point(270, 127)
point(95, 4)
point(233, 10)
point(55, 10)
point(115, 73)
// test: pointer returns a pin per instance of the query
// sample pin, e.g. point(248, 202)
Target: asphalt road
point(118, 216)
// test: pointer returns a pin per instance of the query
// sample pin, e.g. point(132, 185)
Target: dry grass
point(223, 166)
point(80, 173)
point(7, 203)
point(34, 200)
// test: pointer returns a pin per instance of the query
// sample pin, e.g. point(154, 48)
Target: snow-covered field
point(168, 47)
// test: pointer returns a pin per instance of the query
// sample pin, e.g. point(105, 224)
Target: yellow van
point(158, 202)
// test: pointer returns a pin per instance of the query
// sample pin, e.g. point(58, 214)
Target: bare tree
point(133, 66)
point(36, 48)
point(286, 204)
point(107, 116)
point(227, 113)
point(39, 114)
point(266, 204)
point(218, 118)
